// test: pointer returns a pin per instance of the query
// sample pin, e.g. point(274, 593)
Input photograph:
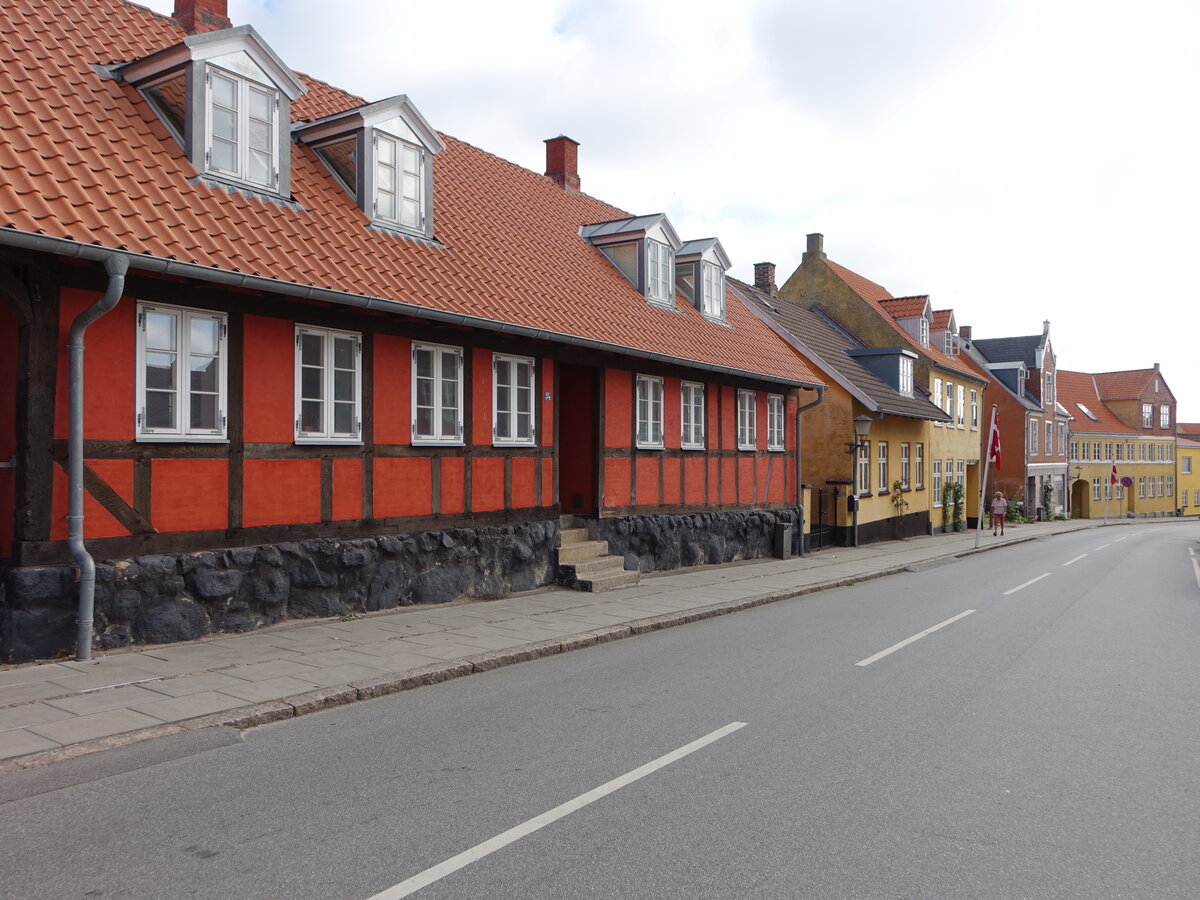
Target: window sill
point(328, 442)
point(692, 447)
point(181, 439)
point(433, 442)
point(746, 449)
point(777, 449)
point(641, 446)
point(514, 443)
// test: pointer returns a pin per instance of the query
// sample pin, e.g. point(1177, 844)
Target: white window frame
point(648, 413)
point(712, 290)
point(1185, 465)
point(949, 408)
point(1095, 488)
point(905, 466)
point(923, 332)
point(514, 364)
point(775, 417)
point(243, 87)
point(937, 397)
point(919, 459)
point(437, 407)
point(181, 386)
point(327, 434)
point(863, 476)
point(937, 482)
point(960, 472)
point(1035, 426)
point(1147, 415)
point(691, 415)
point(660, 273)
point(1049, 438)
point(959, 398)
point(906, 376)
point(974, 410)
point(747, 420)
point(1164, 416)
point(1062, 439)
point(881, 463)
point(1141, 487)
point(379, 137)
point(1170, 489)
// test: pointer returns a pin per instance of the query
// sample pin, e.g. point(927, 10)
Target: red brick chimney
point(764, 278)
point(199, 16)
point(964, 332)
point(562, 162)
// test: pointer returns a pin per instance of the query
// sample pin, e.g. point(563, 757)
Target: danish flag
point(1113, 479)
point(994, 440)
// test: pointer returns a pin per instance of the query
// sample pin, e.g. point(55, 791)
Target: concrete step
point(611, 582)
point(571, 536)
point(581, 551)
point(600, 567)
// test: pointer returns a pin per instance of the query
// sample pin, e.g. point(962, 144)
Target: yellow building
point(882, 323)
point(1188, 453)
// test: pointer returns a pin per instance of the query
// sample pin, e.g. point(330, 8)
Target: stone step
point(611, 582)
point(600, 567)
point(571, 536)
point(582, 550)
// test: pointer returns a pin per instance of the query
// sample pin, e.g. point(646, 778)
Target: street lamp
point(862, 427)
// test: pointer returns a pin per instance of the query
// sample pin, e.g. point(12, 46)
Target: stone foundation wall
point(162, 599)
point(658, 543)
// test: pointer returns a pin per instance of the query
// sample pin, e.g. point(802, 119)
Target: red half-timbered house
point(330, 359)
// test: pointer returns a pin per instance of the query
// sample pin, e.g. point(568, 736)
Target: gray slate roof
point(1010, 349)
point(827, 347)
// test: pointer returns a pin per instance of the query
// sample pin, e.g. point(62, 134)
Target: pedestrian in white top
point(999, 511)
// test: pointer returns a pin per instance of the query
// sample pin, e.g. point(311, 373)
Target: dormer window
point(382, 155)
point(906, 376)
point(225, 96)
point(923, 324)
point(700, 268)
point(643, 249)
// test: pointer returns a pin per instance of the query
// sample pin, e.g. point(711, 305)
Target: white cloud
point(1017, 160)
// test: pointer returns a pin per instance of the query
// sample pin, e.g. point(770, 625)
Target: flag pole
point(987, 458)
point(1107, 490)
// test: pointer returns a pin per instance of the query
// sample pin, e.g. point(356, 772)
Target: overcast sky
point(1018, 160)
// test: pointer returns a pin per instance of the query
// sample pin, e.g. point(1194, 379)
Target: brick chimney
point(199, 16)
point(764, 278)
point(562, 162)
point(816, 248)
point(964, 332)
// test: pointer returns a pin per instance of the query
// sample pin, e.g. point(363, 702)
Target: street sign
point(1127, 481)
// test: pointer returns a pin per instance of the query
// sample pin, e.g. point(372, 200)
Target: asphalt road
point(1042, 745)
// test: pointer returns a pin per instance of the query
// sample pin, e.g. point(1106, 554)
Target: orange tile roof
point(1192, 428)
point(1076, 388)
point(875, 295)
point(85, 158)
point(1127, 385)
point(905, 307)
point(941, 319)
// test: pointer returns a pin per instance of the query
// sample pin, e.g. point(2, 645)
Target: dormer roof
point(631, 229)
point(369, 115)
point(908, 307)
point(703, 248)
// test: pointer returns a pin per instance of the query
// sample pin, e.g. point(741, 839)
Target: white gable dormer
point(700, 268)
point(643, 248)
point(382, 153)
point(226, 97)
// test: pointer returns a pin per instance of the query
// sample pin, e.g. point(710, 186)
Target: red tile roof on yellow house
point(875, 295)
point(1190, 428)
point(1077, 393)
point(1126, 385)
point(85, 158)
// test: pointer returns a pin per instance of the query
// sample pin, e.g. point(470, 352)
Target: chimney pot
point(764, 277)
point(199, 16)
point(816, 248)
point(562, 162)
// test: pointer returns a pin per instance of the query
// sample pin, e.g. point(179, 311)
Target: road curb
point(254, 715)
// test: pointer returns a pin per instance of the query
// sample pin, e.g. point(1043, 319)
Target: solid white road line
point(1075, 560)
point(1101, 547)
point(479, 851)
point(916, 637)
point(1028, 583)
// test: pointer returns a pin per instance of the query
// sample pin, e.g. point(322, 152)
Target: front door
point(577, 437)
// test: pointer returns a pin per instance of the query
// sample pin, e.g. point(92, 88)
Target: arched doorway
point(1078, 498)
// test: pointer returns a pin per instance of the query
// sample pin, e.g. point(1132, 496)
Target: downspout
point(820, 388)
point(115, 265)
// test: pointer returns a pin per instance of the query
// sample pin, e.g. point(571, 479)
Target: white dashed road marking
point(916, 637)
point(1075, 560)
point(1027, 584)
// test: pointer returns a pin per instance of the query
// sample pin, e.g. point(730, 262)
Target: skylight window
point(1087, 412)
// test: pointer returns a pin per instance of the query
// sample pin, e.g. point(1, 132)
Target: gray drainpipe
point(800, 493)
point(116, 264)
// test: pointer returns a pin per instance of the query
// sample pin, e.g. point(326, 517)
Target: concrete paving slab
point(26, 693)
point(34, 674)
point(31, 714)
point(184, 685)
point(20, 742)
point(188, 706)
point(332, 676)
point(275, 668)
point(110, 678)
point(98, 701)
point(97, 725)
point(271, 689)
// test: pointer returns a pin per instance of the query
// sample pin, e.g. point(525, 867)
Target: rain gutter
point(799, 492)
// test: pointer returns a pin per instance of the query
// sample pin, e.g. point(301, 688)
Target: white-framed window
point(691, 401)
point(920, 465)
point(1062, 439)
point(660, 275)
point(1170, 451)
point(1096, 450)
point(328, 385)
point(1147, 415)
point(1162, 489)
point(905, 467)
point(1120, 490)
point(974, 410)
point(437, 391)
point(181, 374)
point(1074, 449)
point(937, 395)
point(1185, 465)
point(864, 468)
point(923, 332)
point(712, 290)
point(1086, 448)
point(961, 406)
point(1183, 496)
point(1164, 416)
point(1095, 488)
point(1196, 497)
point(960, 472)
point(1142, 452)
point(241, 128)
point(1049, 438)
point(948, 342)
point(906, 376)
point(747, 420)
point(1048, 398)
point(1108, 451)
point(1142, 487)
point(775, 407)
point(1034, 425)
point(399, 182)
point(1120, 448)
point(649, 412)
point(950, 401)
point(1170, 488)
point(881, 459)
point(937, 482)
point(513, 396)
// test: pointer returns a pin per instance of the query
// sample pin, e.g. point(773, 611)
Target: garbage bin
point(783, 540)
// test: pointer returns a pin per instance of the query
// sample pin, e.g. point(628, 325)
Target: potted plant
point(899, 504)
point(960, 494)
point(947, 505)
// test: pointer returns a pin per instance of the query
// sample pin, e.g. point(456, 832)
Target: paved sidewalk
point(58, 710)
